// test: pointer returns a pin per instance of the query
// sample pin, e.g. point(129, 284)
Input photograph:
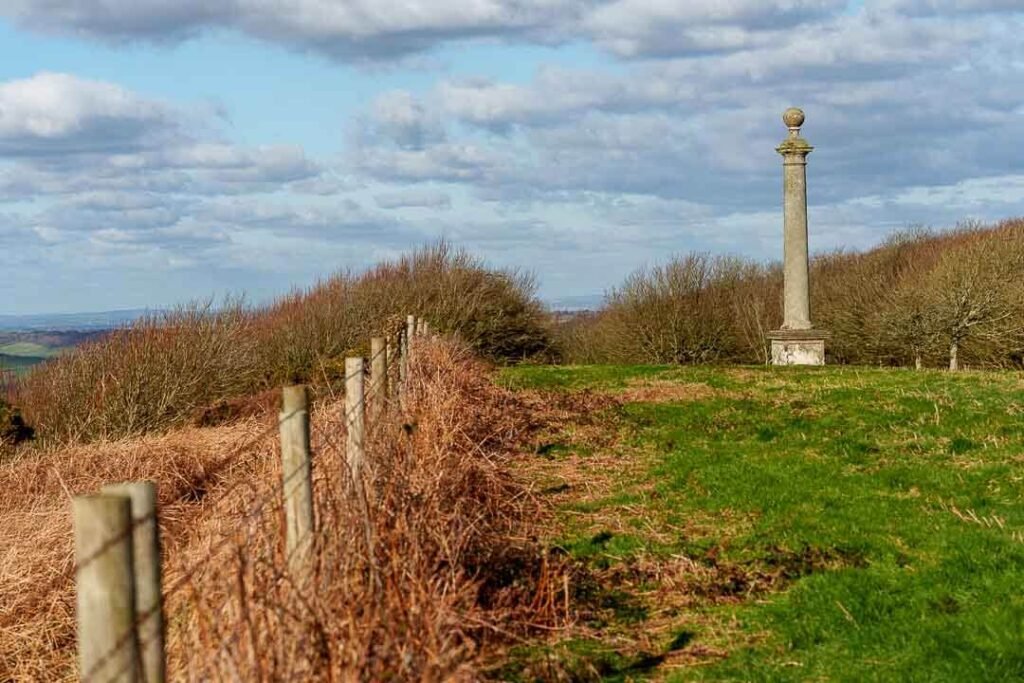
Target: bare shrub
point(164, 369)
point(414, 579)
point(694, 309)
point(142, 378)
point(579, 338)
point(974, 298)
point(920, 298)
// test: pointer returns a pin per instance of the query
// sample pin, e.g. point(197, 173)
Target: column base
point(798, 347)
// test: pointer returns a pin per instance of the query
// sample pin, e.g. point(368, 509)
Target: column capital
point(794, 145)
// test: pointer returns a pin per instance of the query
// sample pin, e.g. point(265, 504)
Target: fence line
point(120, 596)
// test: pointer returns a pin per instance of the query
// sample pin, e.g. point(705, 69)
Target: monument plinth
point(797, 342)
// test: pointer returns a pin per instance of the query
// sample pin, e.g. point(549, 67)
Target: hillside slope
point(409, 579)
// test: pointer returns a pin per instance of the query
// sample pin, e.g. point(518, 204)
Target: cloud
point(391, 29)
point(943, 7)
point(632, 28)
point(414, 198)
point(52, 113)
point(94, 173)
point(67, 135)
point(664, 142)
point(892, 101)
point(399, 117)
point(342, 29)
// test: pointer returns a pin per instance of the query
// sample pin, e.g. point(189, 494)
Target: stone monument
point(797, 343)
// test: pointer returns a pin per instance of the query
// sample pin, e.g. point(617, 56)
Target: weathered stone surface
point(796, 295)
point(805, 350)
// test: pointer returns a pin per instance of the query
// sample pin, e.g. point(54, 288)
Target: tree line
point(922, 298)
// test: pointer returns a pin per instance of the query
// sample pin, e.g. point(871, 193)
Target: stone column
point(797, 342)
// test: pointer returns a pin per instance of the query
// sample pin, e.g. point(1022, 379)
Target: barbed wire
point(273, 491)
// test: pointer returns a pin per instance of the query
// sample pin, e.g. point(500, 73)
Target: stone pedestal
point(798, 347)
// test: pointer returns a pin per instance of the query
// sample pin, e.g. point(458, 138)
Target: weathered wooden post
point(297, 481)
point(797, 342)
point(378, 376)
point(403, 359)
point(108, 645)
point(389, 364)
point(355, 418)
point(149, 615)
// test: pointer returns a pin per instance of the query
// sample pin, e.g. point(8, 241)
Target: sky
point(157, 152)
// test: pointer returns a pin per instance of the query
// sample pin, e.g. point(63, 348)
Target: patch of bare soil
point(666, 391)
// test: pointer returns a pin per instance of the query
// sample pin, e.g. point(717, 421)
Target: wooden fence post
point(354, 417)
point(403, 359)
point(389, 363)
point(297, 476)
point(108, 646)
point(378, 376)
point(149, 614)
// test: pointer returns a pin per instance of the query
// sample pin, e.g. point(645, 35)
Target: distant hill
point(581, 302)
point(97, 320)
point(23, 345)
point(27, 349)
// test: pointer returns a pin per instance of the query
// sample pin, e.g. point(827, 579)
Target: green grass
point(21, 356)
point(29, 350)
point(905, 490)
point(19, 364)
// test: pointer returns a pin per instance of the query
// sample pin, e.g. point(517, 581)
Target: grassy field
point(29, 350)
point(19, 364)
point(750, 524)
point(20, 356)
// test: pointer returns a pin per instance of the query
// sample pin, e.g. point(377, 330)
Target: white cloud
point(414, 198)
point(100, 173)
point(339, 28)
point(386, 29)
point(53, 112)
point(667, 143)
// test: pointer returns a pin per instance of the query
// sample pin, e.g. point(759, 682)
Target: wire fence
point(248, 604)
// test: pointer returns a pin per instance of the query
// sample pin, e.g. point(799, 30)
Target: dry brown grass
point(667, 391)
point(37, 557)
point(413, 580)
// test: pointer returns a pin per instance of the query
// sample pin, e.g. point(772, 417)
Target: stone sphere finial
point(793, 118)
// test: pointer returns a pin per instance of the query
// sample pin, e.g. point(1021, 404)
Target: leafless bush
point(974, 298)
point(920, 298)
point(411, 578)
point(694, 309)
point(142, 378)
point(160, 371)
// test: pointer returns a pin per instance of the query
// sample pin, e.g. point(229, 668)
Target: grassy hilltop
point(785, 524)
point(661, 509)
